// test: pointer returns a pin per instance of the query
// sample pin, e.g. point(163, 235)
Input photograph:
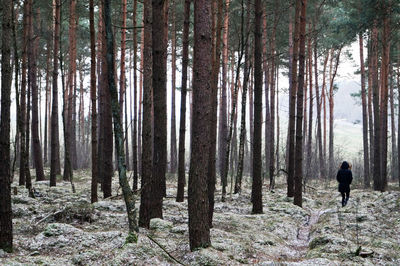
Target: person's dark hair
point(345, 165)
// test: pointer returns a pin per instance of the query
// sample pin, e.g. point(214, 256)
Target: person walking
point(344, 177)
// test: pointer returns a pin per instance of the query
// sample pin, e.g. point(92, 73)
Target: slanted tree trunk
point(6, 229)
point(32, 72)
point(199, 227)
point(93, 195)
point(364, 113)
point(292, 107)
point(134, 136)
point(128, 194)
point(147, 200)
point(331, 114)
point(298, 180)
point(182, 126)
point(159, 47)
point(246, 75)
point(256, 191)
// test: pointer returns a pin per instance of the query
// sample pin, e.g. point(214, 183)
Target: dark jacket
point(344, 177)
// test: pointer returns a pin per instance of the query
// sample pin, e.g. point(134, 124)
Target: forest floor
point(59, 227)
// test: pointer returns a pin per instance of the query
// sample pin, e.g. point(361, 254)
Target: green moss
point(318, 241)
point(131, 238)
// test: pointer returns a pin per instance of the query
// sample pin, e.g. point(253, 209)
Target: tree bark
point(256, 191)
point(159, 47)
point(6, 229)
point(364, 114)
point(32, 72)
point(128, 194)
point(199, 227)
point(298, 180)
point(173, 162)
point(182, 126)
point(292, 107)
point(147, 196)
point(93, 195)
point(55, 144)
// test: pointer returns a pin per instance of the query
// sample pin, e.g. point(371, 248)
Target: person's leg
point(347, 196)
point(343, 199)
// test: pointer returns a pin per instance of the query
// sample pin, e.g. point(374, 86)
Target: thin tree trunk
point(298, 180)
point(128, 194)
point(182, 126)
point(173, 162)
point(310, 118)
point(292, 101)
point(134, 136)
point(47, 105)
point(37, 149)
point(364, 114)
point(93, 195)
point(393, 127)
point(140, 115)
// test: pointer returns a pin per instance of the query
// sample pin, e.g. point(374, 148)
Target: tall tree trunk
point(384, 96)
point(182, 126)
point(55, 143)
point(93, 195)
point(256, 191)
point(173, 162)
point(246, 75)
point(47, 105)
point(134, 106)
point(292, 101)
point(267, 83)
point(364, 113)
point(310, 118)
point(147, 200)
point(370, 111)
point(128, 194)
point(24, 167)
point(159, 47)
point(37, 149)
point(331, 110)
point(223, 126)
point(140, 115)
point(298, 180)
point(393, 127)
point(377, 124)
point(214, 105)
point(199, 227)
point(6, 229)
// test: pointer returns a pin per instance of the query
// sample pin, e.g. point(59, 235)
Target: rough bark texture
point(6, 237)
point(199, 228)
point(129, 196)
point(159, 106)
point(147, 196)
point(135, 115)
point(55, 143)
point(182, 126)
point(223, 126)
point(256, 192)
point(375, 87)
point(292, 107)
point(298, 177)
point(93, 196)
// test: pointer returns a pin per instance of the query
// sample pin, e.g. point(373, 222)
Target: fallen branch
point(48, 216)
point(169, 254)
